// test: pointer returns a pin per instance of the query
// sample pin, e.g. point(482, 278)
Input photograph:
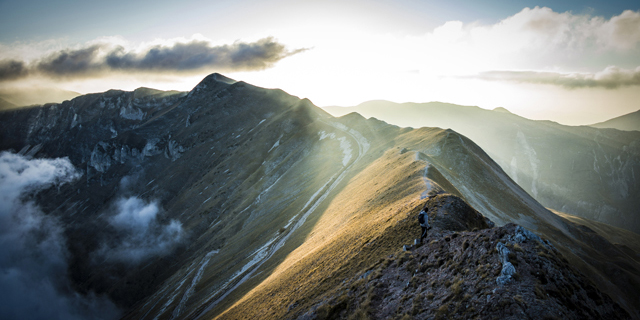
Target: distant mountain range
point(4, 104)
point(580, 170)
point(234, 201)
point(628, 122)
point(19, 97)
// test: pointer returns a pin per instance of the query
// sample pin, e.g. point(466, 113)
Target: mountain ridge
point(627, 122)
point(261, 184)
point(559, 165)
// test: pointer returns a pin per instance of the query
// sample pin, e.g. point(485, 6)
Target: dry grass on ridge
point(370, 219)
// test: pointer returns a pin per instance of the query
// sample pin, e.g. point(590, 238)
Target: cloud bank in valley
point(33, 254)
point(188, 57)
point(140, 233)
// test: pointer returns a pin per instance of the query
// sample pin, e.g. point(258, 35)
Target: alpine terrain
point(232, 201)
point(581, 170)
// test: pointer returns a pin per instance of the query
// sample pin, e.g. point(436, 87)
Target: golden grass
point(335, 248)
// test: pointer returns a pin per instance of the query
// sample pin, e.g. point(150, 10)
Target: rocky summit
point(232, 201)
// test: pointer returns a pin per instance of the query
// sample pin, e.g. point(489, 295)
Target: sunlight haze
point(575, 63)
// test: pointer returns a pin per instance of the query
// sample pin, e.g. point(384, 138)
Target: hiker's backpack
point(421, 217)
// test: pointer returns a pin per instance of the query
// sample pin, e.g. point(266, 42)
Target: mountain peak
point(219, 78)
point(215, 81)
point(501, 110)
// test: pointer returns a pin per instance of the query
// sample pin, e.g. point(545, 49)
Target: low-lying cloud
point(610, 78)
point(140, 234)
point(33, 252)
point(182, 57)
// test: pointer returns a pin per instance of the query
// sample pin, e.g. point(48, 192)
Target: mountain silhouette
point(628, 122)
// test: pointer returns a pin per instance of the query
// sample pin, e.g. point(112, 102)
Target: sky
point(573, 62)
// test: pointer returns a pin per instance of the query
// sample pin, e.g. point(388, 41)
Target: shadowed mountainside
point(277, 201)
point(583, 171)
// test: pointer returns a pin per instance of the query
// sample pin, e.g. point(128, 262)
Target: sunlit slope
point(368, 220)
point(628, 122)
point(578, 170)
point(271, 193)
point(355, 230)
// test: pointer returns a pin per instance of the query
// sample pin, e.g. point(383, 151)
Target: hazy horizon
point(574, 62)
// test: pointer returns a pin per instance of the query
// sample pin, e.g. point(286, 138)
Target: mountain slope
point(628, 122)
point(5, 105)
point(579, 170)
point(261, 202)
point(34, 95)
point(338, 250)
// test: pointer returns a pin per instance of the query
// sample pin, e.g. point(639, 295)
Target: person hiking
point(423, 219)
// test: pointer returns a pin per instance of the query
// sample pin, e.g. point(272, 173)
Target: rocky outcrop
point(503, 272)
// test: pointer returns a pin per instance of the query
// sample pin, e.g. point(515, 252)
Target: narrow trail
point(427, 182)
point(363, 147)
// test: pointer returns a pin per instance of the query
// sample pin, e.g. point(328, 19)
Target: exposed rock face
point(85, 129)
point(465, 275)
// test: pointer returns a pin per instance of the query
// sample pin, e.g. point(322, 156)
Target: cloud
point(139, 233)
point(610, 78)
point(542, 28)
point(534, 38)
point(33, 254)
point(12, 70)
point(623, 31)
point(100, 59)
point(71, 62)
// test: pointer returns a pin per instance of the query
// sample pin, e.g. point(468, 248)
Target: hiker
point(423, 219)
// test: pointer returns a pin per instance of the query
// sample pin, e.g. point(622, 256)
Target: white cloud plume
point(141, 235)
point(33, 263)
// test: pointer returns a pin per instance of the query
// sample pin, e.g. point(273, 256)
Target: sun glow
point(537, 63)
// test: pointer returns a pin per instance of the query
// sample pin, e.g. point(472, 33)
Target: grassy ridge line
point(366, 222)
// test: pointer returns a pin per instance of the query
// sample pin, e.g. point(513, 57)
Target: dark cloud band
point(12, 70)
point(99, 59)
point(610, 78)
